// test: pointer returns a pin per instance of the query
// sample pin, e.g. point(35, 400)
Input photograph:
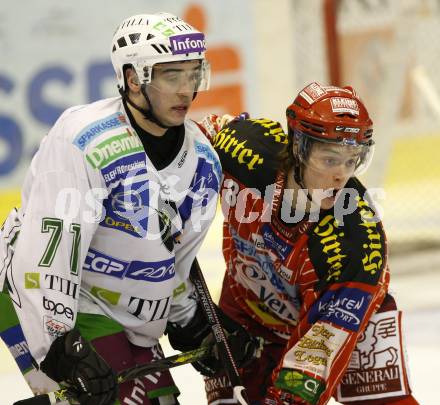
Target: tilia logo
point(114, 148)
point(56, 283)
point(149, 310)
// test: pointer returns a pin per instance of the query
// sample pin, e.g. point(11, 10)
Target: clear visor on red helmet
point(322, 155)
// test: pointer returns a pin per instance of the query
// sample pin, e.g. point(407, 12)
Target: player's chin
point(327, 203)
point(177, 116)
point(170, 122)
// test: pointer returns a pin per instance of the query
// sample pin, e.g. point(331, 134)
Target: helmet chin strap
point(148, 114)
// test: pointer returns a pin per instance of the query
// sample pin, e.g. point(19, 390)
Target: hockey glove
point(72, 360)
point(197, 332)
point(212, 124)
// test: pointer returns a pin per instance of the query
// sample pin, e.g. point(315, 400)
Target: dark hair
point(287, 157)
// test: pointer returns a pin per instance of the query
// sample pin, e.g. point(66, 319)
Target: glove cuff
point(190, 336)
point(50, 364)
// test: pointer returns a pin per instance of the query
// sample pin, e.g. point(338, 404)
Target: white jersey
point(102, 231)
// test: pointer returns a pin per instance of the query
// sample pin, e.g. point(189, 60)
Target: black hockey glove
point(244, 347)
point(72, 360)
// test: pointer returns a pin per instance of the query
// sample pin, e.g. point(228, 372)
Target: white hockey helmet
point(144, 40)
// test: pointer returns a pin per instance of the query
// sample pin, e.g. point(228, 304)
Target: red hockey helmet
point(330, 114)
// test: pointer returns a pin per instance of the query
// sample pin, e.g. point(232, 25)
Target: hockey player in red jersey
point(306, 258)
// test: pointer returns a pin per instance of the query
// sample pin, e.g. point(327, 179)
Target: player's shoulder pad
point(195, 131)
point(249, 150)
point(349, 245)
point(84, 124)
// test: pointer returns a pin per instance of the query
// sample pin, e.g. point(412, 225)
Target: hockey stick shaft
point(221, 341)
point(64, 394)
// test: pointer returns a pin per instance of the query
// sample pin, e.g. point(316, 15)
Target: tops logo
point(187, 43)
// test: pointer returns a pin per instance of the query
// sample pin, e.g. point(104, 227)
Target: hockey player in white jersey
point(115, 206)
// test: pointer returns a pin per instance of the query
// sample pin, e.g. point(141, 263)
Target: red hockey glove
point(212, 124)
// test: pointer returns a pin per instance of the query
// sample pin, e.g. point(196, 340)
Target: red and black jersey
point(312, 283)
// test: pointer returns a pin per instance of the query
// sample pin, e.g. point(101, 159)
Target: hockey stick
point(208, 306)
point(66, 394)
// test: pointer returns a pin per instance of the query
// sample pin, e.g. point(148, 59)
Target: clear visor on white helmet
point(347, 157)
point(188, 76)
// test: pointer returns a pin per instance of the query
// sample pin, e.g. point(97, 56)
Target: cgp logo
point(98, 262)
point(57, 308)
point(345, 307)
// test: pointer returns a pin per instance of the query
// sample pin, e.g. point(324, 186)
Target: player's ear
point(132, 80)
